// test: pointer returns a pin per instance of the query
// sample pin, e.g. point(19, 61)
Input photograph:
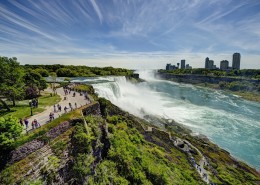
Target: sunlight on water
point(229, 121)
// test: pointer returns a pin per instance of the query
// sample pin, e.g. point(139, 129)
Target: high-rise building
point(211, 64)
point(188, 66)
point(182, 64)
point(207, 63)
point(236, 61)
point(168, 66)
point(224, 65)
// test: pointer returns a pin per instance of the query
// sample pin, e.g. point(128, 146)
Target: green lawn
point(22, 109)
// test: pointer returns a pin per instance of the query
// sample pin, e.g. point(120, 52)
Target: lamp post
point(30, 104)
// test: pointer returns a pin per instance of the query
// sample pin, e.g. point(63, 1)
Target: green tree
point(42, 72)
point(10, 129)
point(35, 83)
point(11, 81)
point(65, 72)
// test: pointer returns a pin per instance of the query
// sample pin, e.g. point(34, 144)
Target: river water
point(227, 120)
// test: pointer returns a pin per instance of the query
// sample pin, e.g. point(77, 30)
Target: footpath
point(76, 102)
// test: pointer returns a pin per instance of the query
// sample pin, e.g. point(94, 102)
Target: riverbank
point(245, 88)
point(251, 96)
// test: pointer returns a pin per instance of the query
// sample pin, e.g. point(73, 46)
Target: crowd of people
point(57, 108)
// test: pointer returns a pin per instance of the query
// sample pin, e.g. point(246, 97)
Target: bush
point(10, 129)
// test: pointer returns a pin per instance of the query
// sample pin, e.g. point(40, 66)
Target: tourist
point(33, 125)
point(74, 94)
point(75, 105)
point(54, 107)
point(59, 108)
point(50, 116)
point(65, 109)
point(36, 124)
point(70, 105)
point(21, 122)
point(26, 122)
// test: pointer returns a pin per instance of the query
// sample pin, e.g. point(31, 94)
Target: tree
point(65, 72)
point(11, 81)
point(42, 72)
point(35, 83)
point(10, 129)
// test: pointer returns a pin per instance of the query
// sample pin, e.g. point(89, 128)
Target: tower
point(210, 64)
point(182, 64)
point(236, 61)
point(224, 65)
point(207, 63)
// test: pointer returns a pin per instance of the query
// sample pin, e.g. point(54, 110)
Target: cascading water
point(231, 122)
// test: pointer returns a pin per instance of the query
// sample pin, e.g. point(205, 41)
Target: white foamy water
point(227, 120)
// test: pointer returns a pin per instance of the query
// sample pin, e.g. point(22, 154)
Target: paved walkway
point(44, 118)
point(203, 162)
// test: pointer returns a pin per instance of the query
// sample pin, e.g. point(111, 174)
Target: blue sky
point(130, 33)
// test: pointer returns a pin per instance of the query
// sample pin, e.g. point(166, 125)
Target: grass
point(45, 128)
point(22, 109)
point(13, 173)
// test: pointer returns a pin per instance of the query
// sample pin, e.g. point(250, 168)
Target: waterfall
point(224, 118)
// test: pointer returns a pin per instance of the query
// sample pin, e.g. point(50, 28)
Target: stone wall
point(30, 147)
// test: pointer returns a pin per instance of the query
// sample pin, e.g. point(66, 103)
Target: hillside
point(110, 146)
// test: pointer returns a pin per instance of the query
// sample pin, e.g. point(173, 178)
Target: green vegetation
point(75, 71)
point(16, 83)
point(45, 128)
point(10, 129)
point(116, 149)
point(228, 170)
point(245, 73)
point(245, 88)
point(23, 110)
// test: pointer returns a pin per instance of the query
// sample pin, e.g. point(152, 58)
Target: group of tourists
point(56, 108)
point(25, 122)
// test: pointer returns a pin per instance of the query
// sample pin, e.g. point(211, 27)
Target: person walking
point(54, 107)
point(26, 122)
point(65, 109)
point(33, 125)
point(59, 108)
point(76, 105)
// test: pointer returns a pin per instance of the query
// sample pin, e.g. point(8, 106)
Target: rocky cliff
point(105, 145)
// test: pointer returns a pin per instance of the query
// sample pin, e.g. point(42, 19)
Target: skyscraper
point(182, 64)
point(236, 61)
point(207, 63)
point(224, 65)
point(210, 64)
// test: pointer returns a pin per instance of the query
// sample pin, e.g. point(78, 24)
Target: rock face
point(56, 131)
point(30, 147)
point(25, 150)
point(93, 109)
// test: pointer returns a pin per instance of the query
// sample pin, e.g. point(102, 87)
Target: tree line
point(18, 83)
point(76, 71)
point(248, 73)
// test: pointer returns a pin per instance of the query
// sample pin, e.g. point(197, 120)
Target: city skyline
point(132, 34)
